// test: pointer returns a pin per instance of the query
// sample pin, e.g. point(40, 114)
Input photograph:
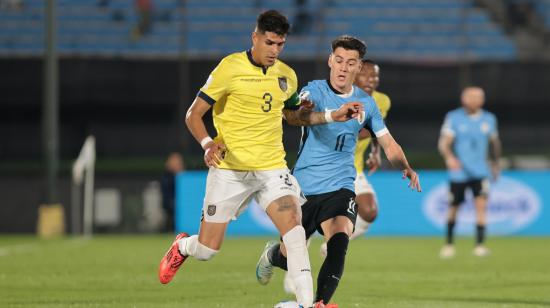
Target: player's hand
point(307, 104)
point(413, 176)
point(373, 162)
point(213, 153)
point(453, 163)
point(348, 111)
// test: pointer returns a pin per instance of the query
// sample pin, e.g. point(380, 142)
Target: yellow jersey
point(248, 101)
point(383, 102)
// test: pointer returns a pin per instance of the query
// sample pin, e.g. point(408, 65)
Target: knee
point(204, 253)
point(369, 210)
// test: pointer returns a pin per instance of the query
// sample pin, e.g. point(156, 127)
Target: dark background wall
point(136, 108)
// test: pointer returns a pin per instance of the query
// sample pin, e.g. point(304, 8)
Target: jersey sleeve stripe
point(207, 98)
point(382, 132)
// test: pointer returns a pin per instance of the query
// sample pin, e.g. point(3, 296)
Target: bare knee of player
point(338, 224)
point(285, 212)
point(367, 207)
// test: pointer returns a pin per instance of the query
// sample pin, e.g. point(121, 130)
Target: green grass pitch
point(121, 271)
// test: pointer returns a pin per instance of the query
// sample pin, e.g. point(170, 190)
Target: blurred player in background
point(368, 79)
point(325, 167)
point(467, 135)
point(174, 164)
point(249, 92)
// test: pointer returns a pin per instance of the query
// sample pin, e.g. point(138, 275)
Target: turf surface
point(121, 271)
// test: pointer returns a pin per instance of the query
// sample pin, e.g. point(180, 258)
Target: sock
point(188, 245)
point(450, 232)
point(361, 227)
point(480, 238)
point(333, 267)
point(276, 257)
point(299, 268)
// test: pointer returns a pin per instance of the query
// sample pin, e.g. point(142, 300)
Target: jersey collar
point(249, 56)
point(343, 95)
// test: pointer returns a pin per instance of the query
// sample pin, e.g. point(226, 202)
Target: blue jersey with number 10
point(325, 159)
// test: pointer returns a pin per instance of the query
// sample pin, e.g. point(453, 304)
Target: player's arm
point(495, 151)
point(213, 151)
point(445, 146)
point(397, 158)
point(374, 161)
point(305, 116)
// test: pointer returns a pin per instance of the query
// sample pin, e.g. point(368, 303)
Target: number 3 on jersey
point(266, 107)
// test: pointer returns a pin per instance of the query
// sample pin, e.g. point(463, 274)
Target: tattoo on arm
point(304, 117)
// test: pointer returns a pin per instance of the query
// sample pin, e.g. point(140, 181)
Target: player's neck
point(472, 112)
point(255, 59)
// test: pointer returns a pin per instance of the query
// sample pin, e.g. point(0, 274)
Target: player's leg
point(281, 199)
point(480, 190)
point(367, 209)
point(456, 197)
point(226, 192)
point(367, 205)
point(338, 215)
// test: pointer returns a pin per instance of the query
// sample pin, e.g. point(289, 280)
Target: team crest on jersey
point(282, 84)
point(211, 210)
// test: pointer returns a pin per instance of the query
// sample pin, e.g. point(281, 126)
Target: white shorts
point(362, 185)
point(228, 192)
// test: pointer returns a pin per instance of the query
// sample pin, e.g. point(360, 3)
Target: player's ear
point(329, 62)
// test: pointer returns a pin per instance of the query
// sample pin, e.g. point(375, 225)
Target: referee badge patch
point(211, 210)
point(282, 84)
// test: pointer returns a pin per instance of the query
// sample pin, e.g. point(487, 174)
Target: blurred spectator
point(103, 3)
point(520, 12)
point(302, 19)
point(144, 9)
point(15, 5)
point(174, 165)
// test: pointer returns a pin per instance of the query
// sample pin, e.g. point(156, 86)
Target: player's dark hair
point(350, 43)
point(369, 61)
point(272, 21)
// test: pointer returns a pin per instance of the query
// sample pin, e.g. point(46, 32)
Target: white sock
point(299, 268)
point(361, 227)
point(188, 245)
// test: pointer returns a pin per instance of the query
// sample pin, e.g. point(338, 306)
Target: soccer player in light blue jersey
point(325, 167)
point(467, 135)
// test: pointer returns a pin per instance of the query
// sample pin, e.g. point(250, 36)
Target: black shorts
point(319, 208)
point(479, 187)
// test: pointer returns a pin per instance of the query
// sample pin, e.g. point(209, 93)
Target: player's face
point(368, 78)
point(344, 66)
point(473, 98)
point(267, 47)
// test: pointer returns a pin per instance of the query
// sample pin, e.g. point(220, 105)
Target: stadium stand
point(393, 29)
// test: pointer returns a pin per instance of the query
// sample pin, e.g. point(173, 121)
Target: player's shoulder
point(316, 85)
point(363, 96)
point(285, 68)
point(233, 59)
point(489, 115)
point(455, 113)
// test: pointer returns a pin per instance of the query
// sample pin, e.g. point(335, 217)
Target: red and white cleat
point(171, 261)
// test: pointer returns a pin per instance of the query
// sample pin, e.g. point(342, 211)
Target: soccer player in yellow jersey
point(250, 92)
